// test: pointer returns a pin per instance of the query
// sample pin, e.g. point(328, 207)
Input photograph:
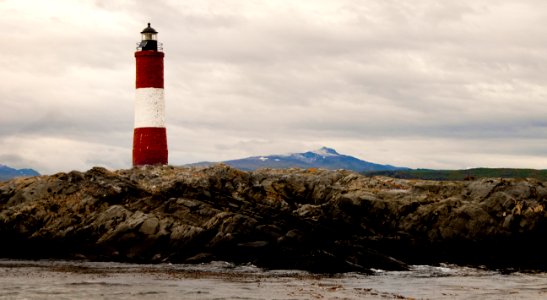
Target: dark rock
point(319, 220)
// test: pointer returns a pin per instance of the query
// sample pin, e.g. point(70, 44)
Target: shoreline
point(221, 280)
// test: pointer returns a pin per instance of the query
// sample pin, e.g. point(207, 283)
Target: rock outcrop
point(318, 220)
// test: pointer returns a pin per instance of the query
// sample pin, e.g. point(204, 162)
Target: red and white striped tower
point(149, 136)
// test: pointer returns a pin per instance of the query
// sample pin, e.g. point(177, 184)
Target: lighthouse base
point(149, 146)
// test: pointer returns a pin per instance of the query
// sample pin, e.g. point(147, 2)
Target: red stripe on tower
point(149, 69)
point(149, 135)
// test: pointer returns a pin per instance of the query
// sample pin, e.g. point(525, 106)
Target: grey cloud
point(422, 83)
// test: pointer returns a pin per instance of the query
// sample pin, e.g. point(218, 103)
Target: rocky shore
point(317, 220)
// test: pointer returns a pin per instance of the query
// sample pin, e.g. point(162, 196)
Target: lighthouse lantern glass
point(148, 36)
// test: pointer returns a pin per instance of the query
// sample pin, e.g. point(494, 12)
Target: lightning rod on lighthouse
point(149, 135)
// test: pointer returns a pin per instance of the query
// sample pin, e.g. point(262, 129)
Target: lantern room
point(149, 40)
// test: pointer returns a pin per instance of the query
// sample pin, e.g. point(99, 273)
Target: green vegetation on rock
point(469, 174)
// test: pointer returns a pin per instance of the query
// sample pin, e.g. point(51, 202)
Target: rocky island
point(312, 219)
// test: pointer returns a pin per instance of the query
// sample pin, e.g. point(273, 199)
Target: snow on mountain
point(324, 151)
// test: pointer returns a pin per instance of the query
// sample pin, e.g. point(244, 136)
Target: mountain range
point(8, 172)
point(326, 158)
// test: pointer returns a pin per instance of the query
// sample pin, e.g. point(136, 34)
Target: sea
point(57, 279)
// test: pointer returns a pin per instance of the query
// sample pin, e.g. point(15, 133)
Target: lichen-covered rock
point(320, 220)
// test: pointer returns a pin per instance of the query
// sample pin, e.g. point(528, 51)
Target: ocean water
point(23, 279)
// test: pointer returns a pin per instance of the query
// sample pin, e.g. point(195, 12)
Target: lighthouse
point(149, 134)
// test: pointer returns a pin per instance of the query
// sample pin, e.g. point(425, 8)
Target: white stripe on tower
point(149, 108)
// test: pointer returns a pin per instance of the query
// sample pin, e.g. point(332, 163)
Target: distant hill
point(428, 174)
point(326, 158)
point(7, 173)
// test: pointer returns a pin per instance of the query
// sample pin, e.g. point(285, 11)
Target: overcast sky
point(421, 83)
